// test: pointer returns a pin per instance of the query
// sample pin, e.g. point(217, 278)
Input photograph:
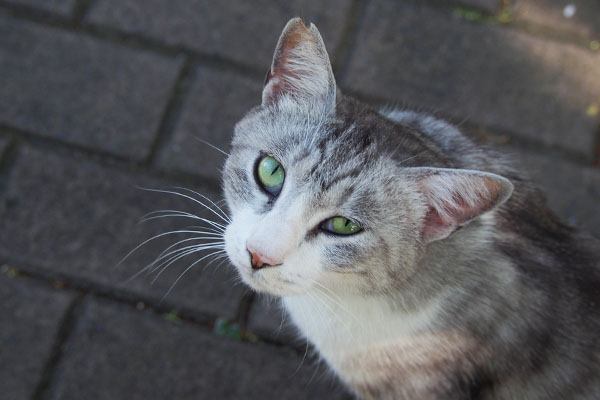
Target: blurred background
point(100, 97)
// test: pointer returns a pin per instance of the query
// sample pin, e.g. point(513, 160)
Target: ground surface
point(100, 96)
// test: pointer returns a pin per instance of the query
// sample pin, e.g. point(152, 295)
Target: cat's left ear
point(300, 68)
point(455, 197)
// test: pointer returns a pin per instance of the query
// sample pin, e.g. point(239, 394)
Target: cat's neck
point(335, 323)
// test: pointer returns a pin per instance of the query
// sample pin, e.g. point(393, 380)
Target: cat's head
point(324, 191)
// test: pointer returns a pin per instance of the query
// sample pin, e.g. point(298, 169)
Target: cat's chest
point(431, 366)
point(371, 345)
point(337, 325)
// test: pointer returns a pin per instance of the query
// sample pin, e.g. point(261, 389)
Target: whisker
point(183, 215)
point(174, 259)
point(222, 254)
point(161, 256)
point(219, 231)
point(183, 273)
point(164, 255)
point(187, 197)
point(211, 145)
point(225, 216)
point(183, 241)
point(199, 247)
point(166, 264)
point(154, 238)
point(216, 225)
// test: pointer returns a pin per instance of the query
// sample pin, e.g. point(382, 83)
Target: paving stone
point(573, 191)
point(58, 6)
point(81, 90)
point(577, 16)
point(267, 319)
point(121, 353)
point(242, 30)
point(481, 72)
point(216, 102)
point(3, 144)
point(66, 215)
point(30, 316)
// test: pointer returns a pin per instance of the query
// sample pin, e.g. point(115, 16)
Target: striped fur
point(461, 285)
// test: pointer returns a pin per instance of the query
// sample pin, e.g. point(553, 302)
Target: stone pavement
point(99, 97)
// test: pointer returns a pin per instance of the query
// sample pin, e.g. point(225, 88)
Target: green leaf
point(172, 317)
point(224, 327)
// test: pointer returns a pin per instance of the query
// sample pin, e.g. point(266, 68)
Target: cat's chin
point(271, 281)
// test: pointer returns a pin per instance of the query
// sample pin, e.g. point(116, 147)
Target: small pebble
point(569, 11)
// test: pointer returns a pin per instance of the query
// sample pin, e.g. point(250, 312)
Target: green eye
point(341, 226)
point(270, 175)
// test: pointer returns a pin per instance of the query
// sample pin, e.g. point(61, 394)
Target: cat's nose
point(258, 260)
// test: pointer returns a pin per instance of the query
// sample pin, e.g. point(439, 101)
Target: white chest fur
point(340, 326)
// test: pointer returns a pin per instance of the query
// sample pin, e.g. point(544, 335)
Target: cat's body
point(511, 312)
point(453, 287)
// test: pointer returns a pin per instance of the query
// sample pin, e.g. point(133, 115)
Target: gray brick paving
point(241, 30)
point(482, 72)
point(70, 216)
point(583, 21)
point(69, 212)
point(89, 92)
point(158, 359)
point(3, 144)
point(63, 7)
point(572, 191)
point(30, 316)
point(216, 102)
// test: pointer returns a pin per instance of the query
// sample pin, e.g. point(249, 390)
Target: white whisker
point(222, 254)
point(162, 256)
point(183, 241)
point(182, 254)
point(225, 216)
point(154, 238)
point(190, 198)
point(183, 273)
point(211, 145)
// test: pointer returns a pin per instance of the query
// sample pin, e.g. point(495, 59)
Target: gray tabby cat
point(419, 264)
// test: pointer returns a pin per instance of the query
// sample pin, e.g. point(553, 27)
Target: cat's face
point(318, 188)
point(336, 219)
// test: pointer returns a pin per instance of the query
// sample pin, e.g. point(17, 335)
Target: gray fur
point(518, 290)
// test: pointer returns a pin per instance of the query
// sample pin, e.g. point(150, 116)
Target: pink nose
point(258, 260)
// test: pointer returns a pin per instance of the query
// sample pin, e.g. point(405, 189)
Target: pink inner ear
point(457, 198)
point(300, 68)
point(436, 227)
point(281, 70)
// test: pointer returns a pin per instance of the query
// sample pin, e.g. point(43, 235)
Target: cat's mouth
point(279, 279)
point(272, 280)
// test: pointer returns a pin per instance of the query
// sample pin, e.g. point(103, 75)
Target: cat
point(419, 264)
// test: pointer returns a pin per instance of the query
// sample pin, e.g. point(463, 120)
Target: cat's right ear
point(301, 69)
point(455, 197)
